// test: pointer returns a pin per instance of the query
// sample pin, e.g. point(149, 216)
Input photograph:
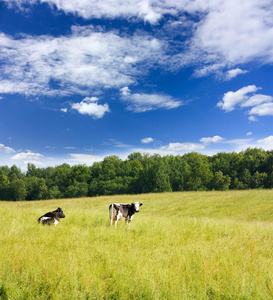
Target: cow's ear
point(140, 204)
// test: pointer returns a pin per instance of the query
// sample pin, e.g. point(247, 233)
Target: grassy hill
point(188, 245)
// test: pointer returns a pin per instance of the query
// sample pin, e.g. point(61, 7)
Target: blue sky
point(80, 80)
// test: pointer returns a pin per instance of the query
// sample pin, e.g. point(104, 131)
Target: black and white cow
point(52, 217)
point(119, 211)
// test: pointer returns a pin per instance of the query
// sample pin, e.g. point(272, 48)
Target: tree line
point(140, 173)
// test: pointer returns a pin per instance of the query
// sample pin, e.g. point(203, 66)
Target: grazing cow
point(119, 211)
point(52, 217)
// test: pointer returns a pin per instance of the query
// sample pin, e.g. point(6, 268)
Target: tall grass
point(200, 245)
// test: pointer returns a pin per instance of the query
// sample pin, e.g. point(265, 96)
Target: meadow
point(184, 245)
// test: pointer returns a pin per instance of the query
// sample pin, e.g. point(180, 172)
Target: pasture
point(188, 245)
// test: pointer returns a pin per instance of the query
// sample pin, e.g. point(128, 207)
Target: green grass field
point(189, 245)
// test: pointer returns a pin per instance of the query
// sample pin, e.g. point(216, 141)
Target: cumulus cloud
point(148, 13)
point(146, 10)
point(268, 140)
point(266, 143)
point(90, 106)
point(225, 34)
point(183, 147)
point(257, 100)
point(262, 105)
point(232, 99)
point(27, 156)
point(239, 141)
point(87, 60)
point(216, 139)
point(6, 149)
point(125, 91)
point(265, 109)
point(253, 119)
point(147, 140)
point(234, 32)
point(234, 73)
point(86, 159)
point(146, 102)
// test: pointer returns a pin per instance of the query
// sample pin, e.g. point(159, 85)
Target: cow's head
point(60, 213)
point(137, 205)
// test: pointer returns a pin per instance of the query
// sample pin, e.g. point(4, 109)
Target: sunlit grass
point(200, 245)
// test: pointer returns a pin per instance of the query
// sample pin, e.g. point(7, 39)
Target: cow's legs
point(127, 222)
point(112, 214)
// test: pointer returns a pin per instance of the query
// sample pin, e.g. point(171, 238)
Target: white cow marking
point(44, 218)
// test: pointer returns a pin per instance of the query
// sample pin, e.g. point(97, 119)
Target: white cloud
point(231, 99)
point(234, 73)
point(256, 100)
point(249, 133)
point(64, 110)
point(91, 107)
point(226, 33)
point(265, 143)
point(234, 32)
point(262, 105)
point(6, 149)
point(118, 144)
point(147, 140)
point(27, 156)
point(147, 10)
point(85, 159)
point(239, 141)
point(183, 147)
point(253, 119)
point(148, 13)
point(125, 91)
point(146, 102)
point(268, 140)
point(86, 61)
point(265, 109)
point(215, 139)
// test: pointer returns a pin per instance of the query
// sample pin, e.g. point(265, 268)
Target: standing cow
point(52, 217)
point(119, 211)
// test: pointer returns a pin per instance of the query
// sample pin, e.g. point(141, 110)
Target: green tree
point(36, 188)
point(161, 179)
point(31, 170)
point(15, 172)
point(17, 190)
point(77, 190)
point(54, 192)
point(238, 185)
point(245, 177)
point(154, 177)
point(4, 186)
point(93, 189)
point(220, 181)
point(80, 173)
point(258, 180)
point(133, 169)
point(200, 174)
